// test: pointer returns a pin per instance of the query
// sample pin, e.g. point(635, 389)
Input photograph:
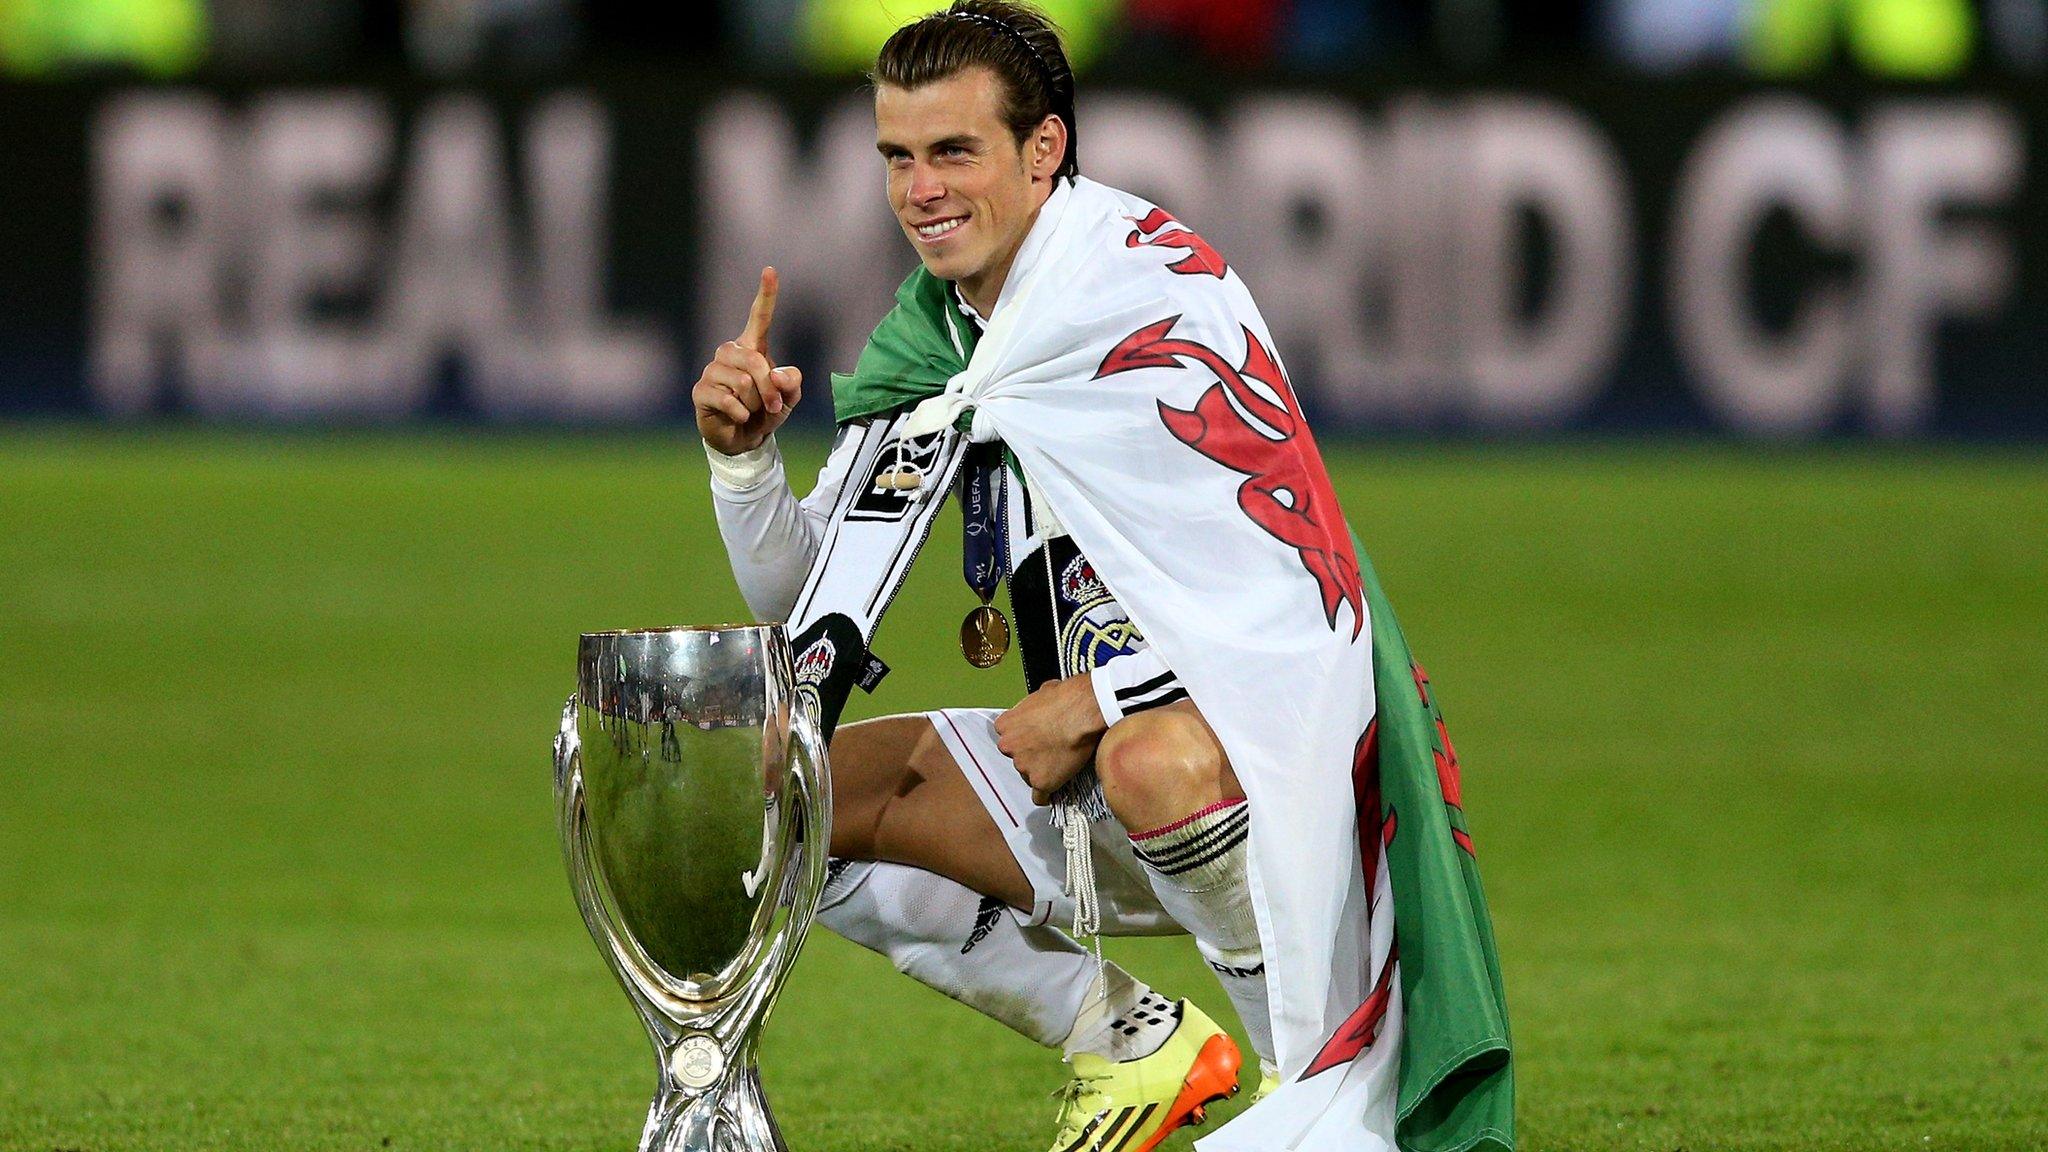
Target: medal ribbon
point(985, 546)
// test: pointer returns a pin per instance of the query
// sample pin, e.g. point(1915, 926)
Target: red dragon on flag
point(1201, 258)
point(1286, 491)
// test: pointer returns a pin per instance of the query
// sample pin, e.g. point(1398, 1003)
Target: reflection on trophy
point(695, 818)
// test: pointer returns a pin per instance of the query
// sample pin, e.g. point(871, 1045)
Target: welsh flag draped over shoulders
point(1130, 374)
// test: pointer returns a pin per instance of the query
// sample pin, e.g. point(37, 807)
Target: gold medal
point(984, 637)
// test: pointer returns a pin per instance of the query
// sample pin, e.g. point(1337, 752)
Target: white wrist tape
point(747, 469)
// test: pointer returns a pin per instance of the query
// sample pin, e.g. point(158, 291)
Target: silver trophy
point(690, 783)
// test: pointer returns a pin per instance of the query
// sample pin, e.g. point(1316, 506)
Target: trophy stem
point(731, 1116)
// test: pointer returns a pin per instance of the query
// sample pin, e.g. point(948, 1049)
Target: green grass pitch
point(1756, 753)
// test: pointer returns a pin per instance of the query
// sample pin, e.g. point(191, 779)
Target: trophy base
point(729, 1116)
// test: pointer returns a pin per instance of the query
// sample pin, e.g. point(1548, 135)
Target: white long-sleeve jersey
point(770, 536)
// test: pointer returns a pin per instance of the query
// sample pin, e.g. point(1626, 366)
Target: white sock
point(1243, 975)
point(1128, 1022)
point(949, 938)
point(1198, 867)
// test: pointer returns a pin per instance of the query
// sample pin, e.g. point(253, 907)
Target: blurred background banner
point(1809, 222)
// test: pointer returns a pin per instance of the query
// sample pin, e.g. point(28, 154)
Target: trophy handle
point(575, 850)
point(568, 747)
point(809, 827)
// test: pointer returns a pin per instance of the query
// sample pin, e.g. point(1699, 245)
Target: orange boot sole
point(1213, 1078)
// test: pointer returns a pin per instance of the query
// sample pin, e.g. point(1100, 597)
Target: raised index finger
point(762, 313)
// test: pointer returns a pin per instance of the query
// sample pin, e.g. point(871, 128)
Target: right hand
point(742, 397)
point(1052, 734)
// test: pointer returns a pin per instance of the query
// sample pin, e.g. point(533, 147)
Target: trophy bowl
point(695, 816)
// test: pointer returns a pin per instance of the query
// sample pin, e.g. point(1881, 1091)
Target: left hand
point(1051, 734)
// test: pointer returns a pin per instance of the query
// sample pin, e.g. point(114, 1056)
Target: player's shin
point(1199, 869)
point(949, 938)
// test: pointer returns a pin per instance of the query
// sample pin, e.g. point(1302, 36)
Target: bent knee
point(1160, 760)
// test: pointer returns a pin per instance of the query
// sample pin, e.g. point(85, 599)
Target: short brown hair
point(1015, 41)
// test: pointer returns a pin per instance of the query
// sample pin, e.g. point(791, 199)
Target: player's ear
point(1048, 147)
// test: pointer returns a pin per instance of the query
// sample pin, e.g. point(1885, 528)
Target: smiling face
point(964, 191)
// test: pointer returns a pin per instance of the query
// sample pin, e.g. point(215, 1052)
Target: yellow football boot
point(1269, 1079)
point(1132, 1105)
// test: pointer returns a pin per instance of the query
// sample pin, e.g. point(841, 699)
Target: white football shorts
point(1128, 906)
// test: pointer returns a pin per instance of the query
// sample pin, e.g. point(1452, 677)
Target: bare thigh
point(897, 795)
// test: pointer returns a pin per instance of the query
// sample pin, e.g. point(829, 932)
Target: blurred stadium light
point(1912, 39)
point(158, 37)
point(843, 36)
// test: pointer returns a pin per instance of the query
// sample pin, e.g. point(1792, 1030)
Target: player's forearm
point(768, 538)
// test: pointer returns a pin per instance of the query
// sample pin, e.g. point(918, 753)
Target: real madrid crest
point(1093, 627)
